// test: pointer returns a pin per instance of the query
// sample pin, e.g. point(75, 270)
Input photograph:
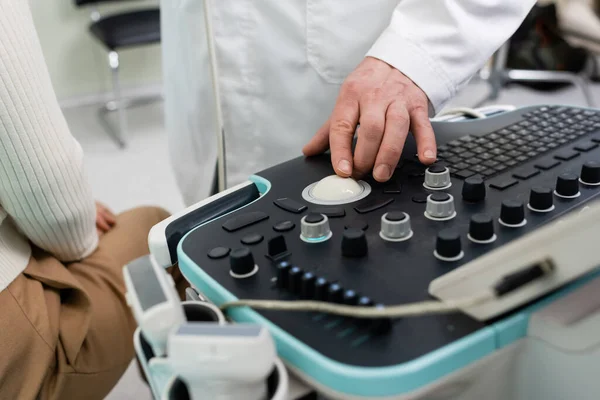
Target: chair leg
point(117, 104)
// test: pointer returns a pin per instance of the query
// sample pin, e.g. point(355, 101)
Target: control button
point(284, 226)
point(350, 298)
point(218, 252)
point(512, 214)
point(331, 212)
point(283, 269)
point(590, 173)
point(437, 177)
point(253, 238)
point(315, 228)
point(294, 277)
point(243, 220)
point(566, 155)
point(481, 229)
point(335, 293)
point(440, 207)
point(307, 285)
point(357, 224)
point(541, 199)
point(448, 246)
point(473, 189)
point(547, 164)
point(354, 243)
point(372, 205)
point(392, 187)
point(464, 174)
point(585, 147)
point(395, 226)
point(321, 288)
point(503, 184)
point(526, 173)
point(567, 186)
point(420, 198)
point(277, 248)
point(290, 205)
point(364, 301)
point(241, 263)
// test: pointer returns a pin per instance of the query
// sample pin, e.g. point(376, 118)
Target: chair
point(116, 32)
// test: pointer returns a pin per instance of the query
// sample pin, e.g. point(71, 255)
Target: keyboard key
point(461, 165)
point(562, 141)
point(504, 131)
point(513, 153)
point(478, 168)
point(490, 163)
point(473, 161)
point(520, 142)
point(493, 136)
point(497, 151)
point(458, 150)
point(467, 154)
point(571, 137)
point(552, 145)
point(542, 149)
point(547, 164)
point(522, 158)
point(566, 155)
point(526, 173)
point(502, 141)
point(488, 172)
point(464, 174)
point(486, 156)
point(467, 139)
point(503, 184)
point(454, 159)
point(454, 143)
point(585, 147)
point(509, 147)
point(478, 150)
point(470, 145)
point(532, 154)
point(481, 140)
point(510, 163)
point(502, 158)
point(490, 145)
point(525, 149)
point(500, 167)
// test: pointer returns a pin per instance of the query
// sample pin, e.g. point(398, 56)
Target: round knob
point(567, 186)
point(512, 213)
point(437, 177)
point(481, 229)
point(350, 298)
point(354, 243)
point(590, 173)
point(283, 268)
point(473, 189)
point(395, 226)
point(440, 206)
point(321, 289)
point(315, 228)
point(335, 293)
point(294, 277)
point(307, 285)
point(448, 246)
point(241, 263)
point(541, 199)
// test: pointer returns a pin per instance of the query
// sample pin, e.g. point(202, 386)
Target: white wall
point(77, 62)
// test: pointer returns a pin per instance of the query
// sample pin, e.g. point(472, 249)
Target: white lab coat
point(281, 63)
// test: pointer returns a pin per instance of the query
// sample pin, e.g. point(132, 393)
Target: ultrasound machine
point(477, 277)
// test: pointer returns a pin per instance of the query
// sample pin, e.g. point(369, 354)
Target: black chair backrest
point(86, 2)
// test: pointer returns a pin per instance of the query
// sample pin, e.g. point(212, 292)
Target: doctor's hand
point(386, 104)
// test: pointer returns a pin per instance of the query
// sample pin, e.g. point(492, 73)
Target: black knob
point(241, 262)
point(321, 289)
point(473, 189)
point(567, 185)
point(481, 228)
point(590, 173)
point(335, 293)
point(294, 277)
point(448, 245)
point(283, 268)
point(307, 285)
point(512, 212)
point(541, 198)
point(350, 298)
point(354, 243)
point(365, 302)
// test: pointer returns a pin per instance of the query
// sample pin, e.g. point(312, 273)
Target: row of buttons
point(590, 174)
point(307, 285)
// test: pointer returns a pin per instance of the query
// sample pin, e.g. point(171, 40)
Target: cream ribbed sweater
point(44, 195)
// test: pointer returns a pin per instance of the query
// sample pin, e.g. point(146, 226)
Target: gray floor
point(140, 174)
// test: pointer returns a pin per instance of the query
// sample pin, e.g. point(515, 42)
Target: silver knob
point(314, 228)
point(437, 177)
point(395, 226)
point(440, 206)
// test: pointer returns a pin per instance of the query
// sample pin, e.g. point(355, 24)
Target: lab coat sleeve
point(441, 44)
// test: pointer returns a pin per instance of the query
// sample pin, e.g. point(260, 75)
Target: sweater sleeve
point(440, 44)
point(43, 186)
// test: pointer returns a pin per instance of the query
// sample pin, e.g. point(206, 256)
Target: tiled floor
point(141, 174)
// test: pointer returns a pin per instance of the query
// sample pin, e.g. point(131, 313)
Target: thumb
point(319, 142)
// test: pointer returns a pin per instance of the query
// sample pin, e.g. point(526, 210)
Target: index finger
point(342, 127)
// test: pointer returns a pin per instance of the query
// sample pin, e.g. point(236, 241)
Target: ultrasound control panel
point(294, 231)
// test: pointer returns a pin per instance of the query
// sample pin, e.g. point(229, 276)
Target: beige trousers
point(66, 331)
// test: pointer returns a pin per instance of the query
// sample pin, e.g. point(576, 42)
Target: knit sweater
point(45, 198)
